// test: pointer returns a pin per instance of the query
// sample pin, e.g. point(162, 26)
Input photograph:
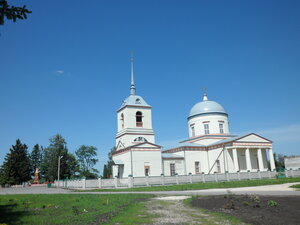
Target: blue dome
point(206, 107)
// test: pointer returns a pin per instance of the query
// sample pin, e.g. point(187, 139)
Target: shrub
point(272, 203)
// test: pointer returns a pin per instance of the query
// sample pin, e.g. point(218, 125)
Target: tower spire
point(205, 98)
point(132, 87)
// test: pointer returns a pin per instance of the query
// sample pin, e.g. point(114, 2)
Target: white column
point(271, 156)
point(248, 159)
point(235, 159)
point(260, 160)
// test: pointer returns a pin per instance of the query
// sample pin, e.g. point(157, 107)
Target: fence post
point(147, 180)
point(216, 177)
point(130, 181)
point(227, 176)
point(99, 183)
point(203, 177)
point(177, 180)
point(116, 181)
point(286, 172)
point(249, 175)
point(269, 173)
point(190, 178)
point(238, 175)
point(83, 183)
point(162, 179)
point(259, 174)
point(292, 173)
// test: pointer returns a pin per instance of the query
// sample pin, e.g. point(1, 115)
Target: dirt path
point(172, 210)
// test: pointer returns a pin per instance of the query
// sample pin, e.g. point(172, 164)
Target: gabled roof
point(207, 136)
point(171, 156)
point(252, 137)
point(139, 145)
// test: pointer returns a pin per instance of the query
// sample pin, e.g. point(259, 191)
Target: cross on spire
point(132, 87)
point(205, 98)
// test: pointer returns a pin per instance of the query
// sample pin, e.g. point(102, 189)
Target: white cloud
point(59, 72)
point(289, 133)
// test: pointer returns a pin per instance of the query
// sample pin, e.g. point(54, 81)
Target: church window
point(197, 167)
point(193, 131)
point(139, 119)
point(221, 126)
point(172, 169)
point(140, 139)
point(138, 101)
point(122, 120)
point(206, 128)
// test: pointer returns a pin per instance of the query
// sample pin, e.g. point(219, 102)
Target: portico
point(250, 158)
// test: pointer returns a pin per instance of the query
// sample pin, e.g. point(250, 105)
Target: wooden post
point(99, 183)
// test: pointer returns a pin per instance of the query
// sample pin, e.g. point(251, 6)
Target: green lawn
point(199, 186)
point(296, 186)
point(67, 209)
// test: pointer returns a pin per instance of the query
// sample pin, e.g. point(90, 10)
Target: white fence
point(169, 180)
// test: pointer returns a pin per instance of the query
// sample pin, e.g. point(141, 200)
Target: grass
point(67, 209)
point(199, 186)
point(296, 186)
point(134, 214)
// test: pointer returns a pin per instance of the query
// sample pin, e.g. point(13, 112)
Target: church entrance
point(172, 169)
point(147, 170)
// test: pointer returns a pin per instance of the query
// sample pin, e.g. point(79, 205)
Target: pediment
point(146, 145)
point(253, 138)
point(120, 145)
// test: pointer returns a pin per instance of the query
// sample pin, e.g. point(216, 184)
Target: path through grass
point(64, 208)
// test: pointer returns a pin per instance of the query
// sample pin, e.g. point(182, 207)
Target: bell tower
point(134, 119)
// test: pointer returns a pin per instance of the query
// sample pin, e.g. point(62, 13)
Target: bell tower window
point(139, 119)
point(122, 120)
point(140, 139)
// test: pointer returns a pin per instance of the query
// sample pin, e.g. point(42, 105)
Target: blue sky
point(66, 69)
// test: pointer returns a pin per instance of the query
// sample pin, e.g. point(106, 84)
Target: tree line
point(19, 165)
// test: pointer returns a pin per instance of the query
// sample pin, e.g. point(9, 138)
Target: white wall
point(130, 131)
point(140, 159)
point(130, 117)
point(146, 158)
point(128, 139)
point(193, 156)
point(213, 121)
point(179, 167)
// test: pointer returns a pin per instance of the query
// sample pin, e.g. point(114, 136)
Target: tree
point(49, 165)
point(12, 12)
point(108, 167)
point(16, 168)
point(73, 165)
point(279, 160)
point(36, 158)
point(105, 174)
point(86, 159)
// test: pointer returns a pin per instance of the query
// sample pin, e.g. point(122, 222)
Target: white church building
point(209, 149)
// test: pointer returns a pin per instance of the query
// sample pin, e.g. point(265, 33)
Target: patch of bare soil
point(176, 212)
point(256, 210)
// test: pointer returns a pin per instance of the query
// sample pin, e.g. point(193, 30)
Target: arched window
point(122, 120)
point(140, 139)
point(139, 119)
